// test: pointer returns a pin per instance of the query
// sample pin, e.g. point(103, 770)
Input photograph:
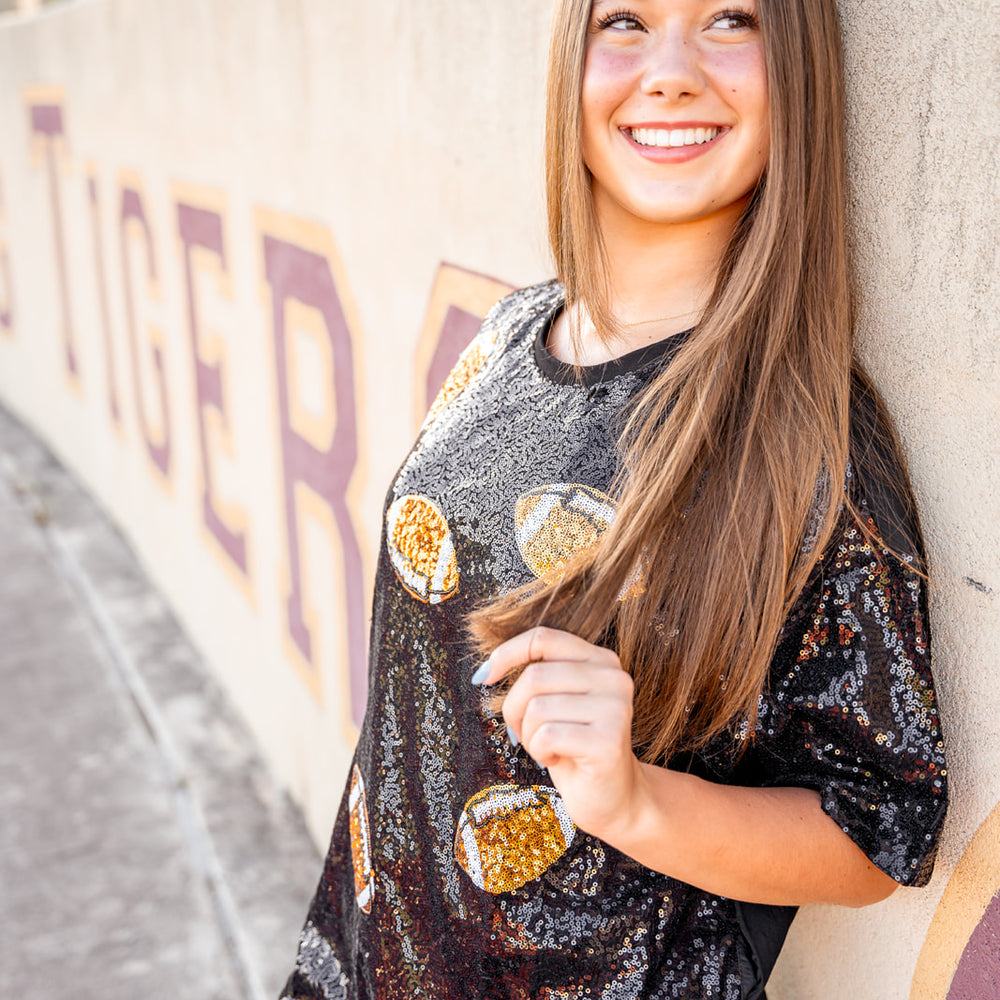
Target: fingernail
point(512, 736)
point(481, 674)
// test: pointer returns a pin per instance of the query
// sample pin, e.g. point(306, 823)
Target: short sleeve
point(851, 710)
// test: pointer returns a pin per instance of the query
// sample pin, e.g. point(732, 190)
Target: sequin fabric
point(454, 871)
point(508, 835)
point(556, 521)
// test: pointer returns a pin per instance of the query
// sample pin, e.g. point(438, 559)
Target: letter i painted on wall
point(319, 444)
point(135, 228)
point(6, 287)
point(100, 273)
point(199, 224)
point(45, 110)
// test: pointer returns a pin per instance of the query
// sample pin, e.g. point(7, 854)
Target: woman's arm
point(761, 845)
point(572, 711)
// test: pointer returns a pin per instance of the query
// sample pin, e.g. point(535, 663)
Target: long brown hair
point(733, 457)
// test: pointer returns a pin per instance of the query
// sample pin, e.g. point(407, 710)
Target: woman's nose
point(673, 68)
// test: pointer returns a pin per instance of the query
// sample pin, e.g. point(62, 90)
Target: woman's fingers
point(571, 709)
point(594, 721)
point(552, 742)
point(571, 725)
point(542, 683)
point(572, 699)
point(538, 645)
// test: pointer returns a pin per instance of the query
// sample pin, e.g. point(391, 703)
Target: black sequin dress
point(453, 871)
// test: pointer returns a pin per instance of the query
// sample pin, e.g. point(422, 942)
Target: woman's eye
point(734, 20)
point(620, 20)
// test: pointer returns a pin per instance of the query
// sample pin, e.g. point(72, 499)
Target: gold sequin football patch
point(471, 360)
point(510, 834)
point(552, 523)
point(361, 844)
point(420, 548)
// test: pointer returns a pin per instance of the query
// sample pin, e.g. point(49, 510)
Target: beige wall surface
point(242, 240)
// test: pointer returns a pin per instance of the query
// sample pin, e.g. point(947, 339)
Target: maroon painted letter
point(159, 451)
point(102, 296)
point(296, 273)
point(202, 228)
point(47, 123)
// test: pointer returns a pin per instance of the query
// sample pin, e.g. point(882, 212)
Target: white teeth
point(669, 138)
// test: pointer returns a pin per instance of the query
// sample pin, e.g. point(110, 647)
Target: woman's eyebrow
point(599, 4)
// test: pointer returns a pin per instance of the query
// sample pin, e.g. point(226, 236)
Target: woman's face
point(674, 108)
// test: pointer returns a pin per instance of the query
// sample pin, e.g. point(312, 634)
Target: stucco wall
point(241, 241)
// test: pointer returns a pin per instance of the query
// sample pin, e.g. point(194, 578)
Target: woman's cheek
point(740, 73)
point(610, 75)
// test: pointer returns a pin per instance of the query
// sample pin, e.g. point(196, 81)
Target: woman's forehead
point(640, 6)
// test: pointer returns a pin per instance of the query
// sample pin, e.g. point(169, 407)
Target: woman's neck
point(662, 270)
point(661, 278)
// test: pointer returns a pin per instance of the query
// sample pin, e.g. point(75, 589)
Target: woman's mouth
point(671, 138)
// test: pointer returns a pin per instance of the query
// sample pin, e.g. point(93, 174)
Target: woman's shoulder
point(878, 478)
point(523, 304)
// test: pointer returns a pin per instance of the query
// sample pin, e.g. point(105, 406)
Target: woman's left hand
point(571, 709)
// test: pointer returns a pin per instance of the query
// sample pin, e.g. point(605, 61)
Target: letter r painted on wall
point(310, 314)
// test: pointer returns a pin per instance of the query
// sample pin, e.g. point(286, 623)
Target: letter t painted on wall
point(48, 133)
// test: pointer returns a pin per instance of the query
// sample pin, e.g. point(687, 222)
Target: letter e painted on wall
point(45, 112)
point(136, 233)
point(459, 301)
point(312, 319)
point(200, 229)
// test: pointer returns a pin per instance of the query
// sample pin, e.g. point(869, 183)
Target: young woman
point(649, 645)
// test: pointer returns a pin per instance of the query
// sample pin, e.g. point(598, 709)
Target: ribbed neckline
point(589, 375)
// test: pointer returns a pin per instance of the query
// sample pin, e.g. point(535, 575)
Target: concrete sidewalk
point(145, 850)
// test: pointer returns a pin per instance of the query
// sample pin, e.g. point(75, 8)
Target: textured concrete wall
point(240, 243)
point(924, 137)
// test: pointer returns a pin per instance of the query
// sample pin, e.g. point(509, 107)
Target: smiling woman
point(685, 89)
point(649, 659)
